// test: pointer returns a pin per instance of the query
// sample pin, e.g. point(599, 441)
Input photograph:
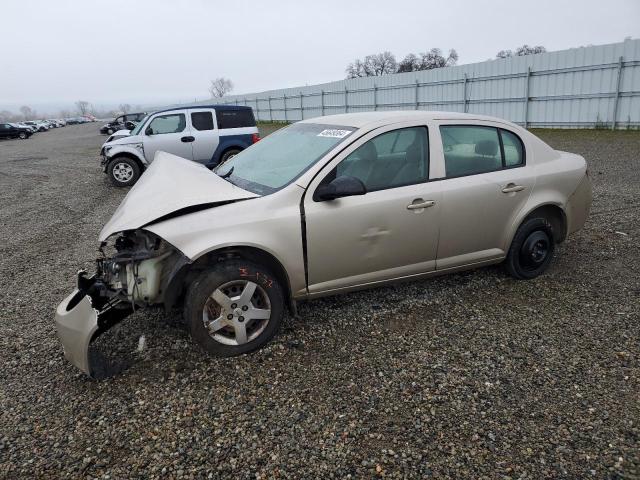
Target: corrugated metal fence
point(596, 86)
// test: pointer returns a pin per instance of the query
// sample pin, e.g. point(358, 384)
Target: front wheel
point(531, 250)
point(235, 308)
point(123, 171)
point(109, 131)
point(22, 135)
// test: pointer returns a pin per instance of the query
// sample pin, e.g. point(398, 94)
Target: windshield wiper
point(228, 174)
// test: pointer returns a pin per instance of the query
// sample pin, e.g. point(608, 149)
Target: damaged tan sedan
point(325, 206)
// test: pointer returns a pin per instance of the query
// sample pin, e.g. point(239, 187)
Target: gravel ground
point(472, 375)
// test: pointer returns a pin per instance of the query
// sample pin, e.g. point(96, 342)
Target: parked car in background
point(208, 134)
point(324, 206)
point(12, 130)
point(39, 124)
point(120, 123)
point(31, 128)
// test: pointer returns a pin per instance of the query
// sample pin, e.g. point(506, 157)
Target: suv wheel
point(123, 171)
point(234, 309)
point(531, 250)
point(228, 154)
point(109, 131)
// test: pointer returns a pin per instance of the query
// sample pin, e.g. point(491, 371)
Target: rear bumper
point(579, 205)
point(77, 323)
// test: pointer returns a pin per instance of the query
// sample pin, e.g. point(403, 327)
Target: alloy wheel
point(237, 312)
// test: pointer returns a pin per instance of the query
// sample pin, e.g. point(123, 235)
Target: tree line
point(80, 108)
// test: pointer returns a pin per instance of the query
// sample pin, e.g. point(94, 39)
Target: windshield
point(138, 127)
point(283, 156)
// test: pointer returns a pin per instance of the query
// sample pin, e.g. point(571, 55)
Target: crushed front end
point(133, 271)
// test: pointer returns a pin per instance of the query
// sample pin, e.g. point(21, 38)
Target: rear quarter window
point(235, 118)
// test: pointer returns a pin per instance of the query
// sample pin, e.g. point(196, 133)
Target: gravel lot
point(473, 375)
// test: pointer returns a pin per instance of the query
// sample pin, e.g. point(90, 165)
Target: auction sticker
point(334, 133)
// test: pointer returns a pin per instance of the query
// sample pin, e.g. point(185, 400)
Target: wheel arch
point(553, 212)
point(129, 155)
point(180, 280)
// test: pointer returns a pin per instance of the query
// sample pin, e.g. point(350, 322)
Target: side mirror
point(148, 131)
point(343, 186)
point(129, 125)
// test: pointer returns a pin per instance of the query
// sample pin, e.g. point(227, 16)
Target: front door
point(168, 132)
point(391, 231)
point(205, 134)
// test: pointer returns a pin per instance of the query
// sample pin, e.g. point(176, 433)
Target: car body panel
point(76, 325)
point(190, 183)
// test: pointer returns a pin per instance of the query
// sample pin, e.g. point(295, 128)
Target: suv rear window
point(235, 118)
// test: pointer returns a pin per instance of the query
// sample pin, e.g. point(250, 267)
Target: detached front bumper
point(77, 323)
point(80, 320)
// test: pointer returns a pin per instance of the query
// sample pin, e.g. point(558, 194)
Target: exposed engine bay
point(133, 271)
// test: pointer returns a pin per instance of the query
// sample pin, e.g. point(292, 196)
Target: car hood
point(126, 140)
point(171, 184)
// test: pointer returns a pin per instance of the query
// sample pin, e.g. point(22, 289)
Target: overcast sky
point(159, 51)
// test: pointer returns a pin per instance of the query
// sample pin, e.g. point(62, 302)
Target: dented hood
point(170, 184)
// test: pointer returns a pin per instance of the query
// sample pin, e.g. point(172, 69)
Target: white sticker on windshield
point(334, 133)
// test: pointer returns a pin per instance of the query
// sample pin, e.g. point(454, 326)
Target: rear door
point(486, 183)
point(204, 132)
point(168, 132)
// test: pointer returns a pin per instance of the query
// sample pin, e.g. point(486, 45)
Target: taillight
point(255, 138)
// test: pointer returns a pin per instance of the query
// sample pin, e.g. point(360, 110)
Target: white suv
point(208, 134)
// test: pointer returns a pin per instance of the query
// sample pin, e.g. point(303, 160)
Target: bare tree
point(27, 112)
point(521, 51)
point(220, 87)
point(124, 107)
point(82, 106)
point(6, 116)
point(428, 60)
point(373, 65)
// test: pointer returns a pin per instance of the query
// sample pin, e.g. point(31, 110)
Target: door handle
point(512, 187)
point(417, 206)
point(187, 139)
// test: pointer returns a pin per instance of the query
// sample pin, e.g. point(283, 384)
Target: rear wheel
point(235, 308)
point(22, 135)
point(109, 131)
point(531, 250)
point(123, 171)
point(229, 154)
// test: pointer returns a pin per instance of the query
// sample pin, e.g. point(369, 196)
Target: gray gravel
point(472, 375)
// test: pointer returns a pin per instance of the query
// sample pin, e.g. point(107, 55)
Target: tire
point(123, 171)
point(531, 250)
point(109, 131)
point(22, 136)
point(228, 314)
point(229, 153)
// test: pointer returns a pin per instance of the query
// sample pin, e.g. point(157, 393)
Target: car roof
point(217, 107)
point(375, 119)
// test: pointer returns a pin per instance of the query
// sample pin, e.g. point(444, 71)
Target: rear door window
point(202, 120)
point(470, 149)
point(235, 118)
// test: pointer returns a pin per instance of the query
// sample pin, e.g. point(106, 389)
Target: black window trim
point(504, 166)
point(428, 152)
